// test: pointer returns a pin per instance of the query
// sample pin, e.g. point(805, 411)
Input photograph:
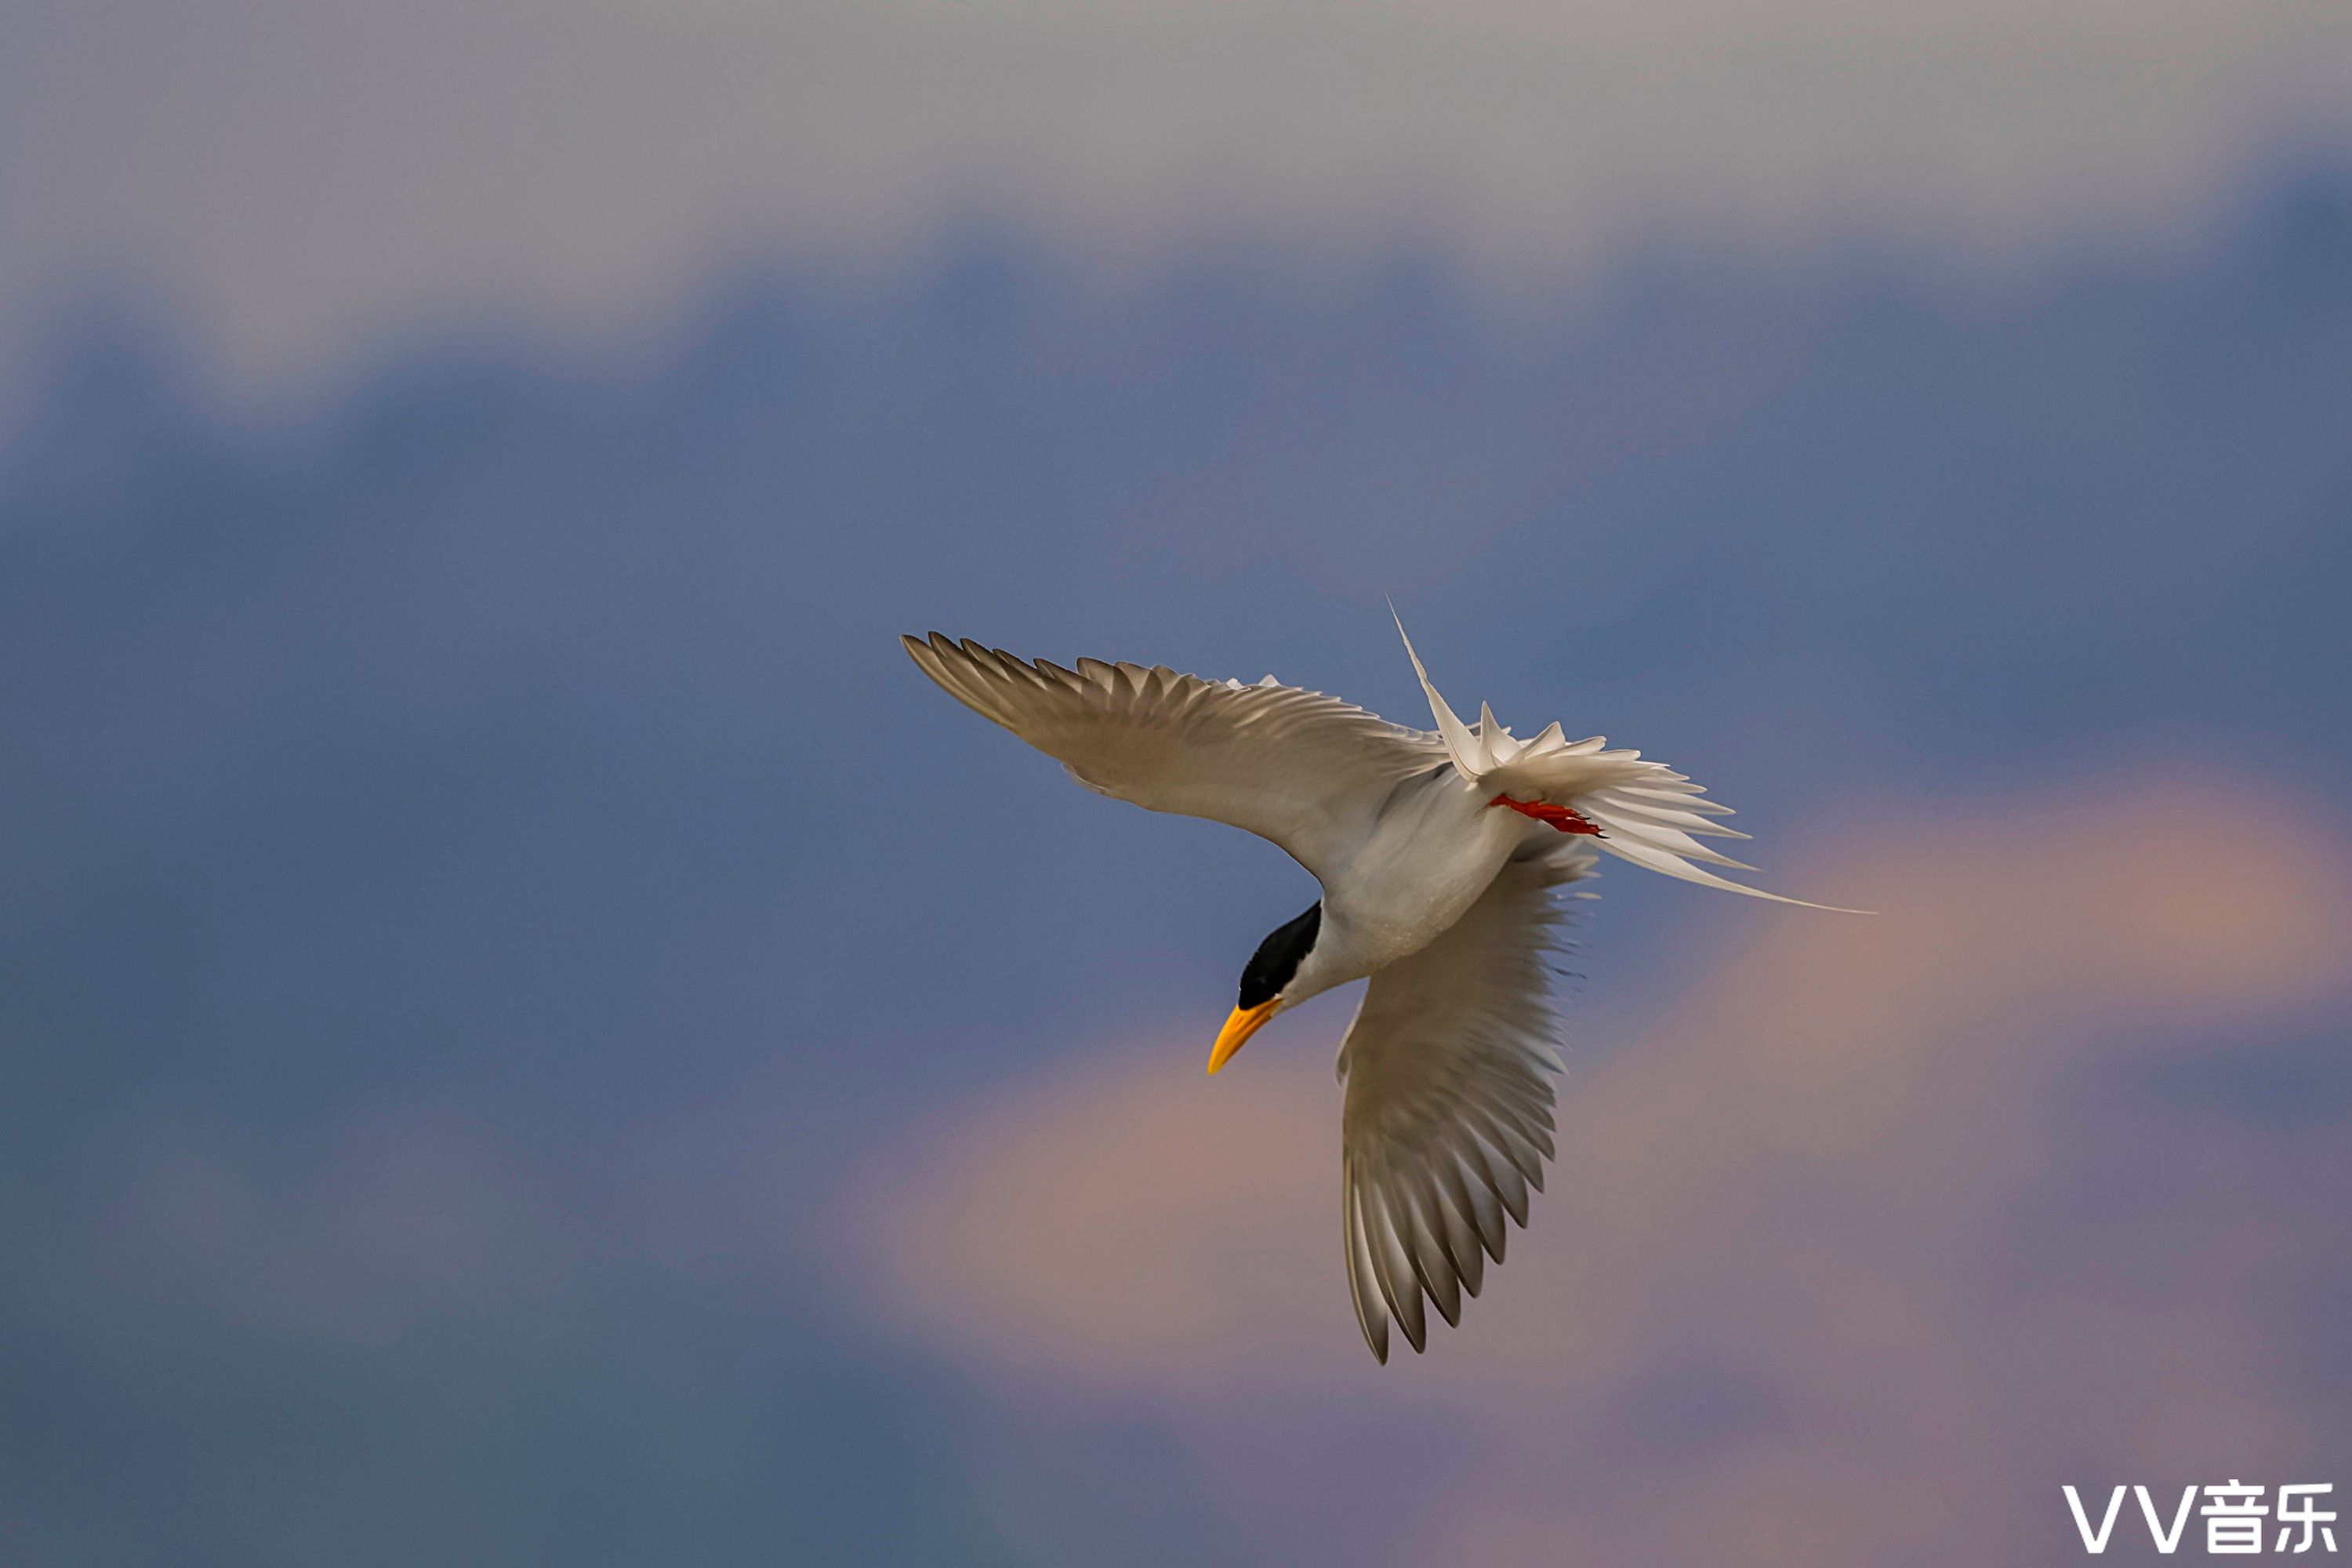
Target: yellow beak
point(1244, 1022)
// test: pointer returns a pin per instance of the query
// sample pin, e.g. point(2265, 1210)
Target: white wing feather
point(1305, 771)
point(1448, 1113)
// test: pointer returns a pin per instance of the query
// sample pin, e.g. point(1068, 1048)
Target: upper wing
point(1306, 771)
point(1447, 1120)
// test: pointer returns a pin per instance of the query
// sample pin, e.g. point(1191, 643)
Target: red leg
point(1567, 818)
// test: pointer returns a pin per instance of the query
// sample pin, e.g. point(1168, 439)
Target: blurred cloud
point(300, 179)
point(448, 966)
point(1802, 1289)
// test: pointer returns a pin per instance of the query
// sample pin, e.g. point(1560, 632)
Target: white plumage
point(1431, 887)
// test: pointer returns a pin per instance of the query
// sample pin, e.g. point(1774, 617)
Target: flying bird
point(1440, 856)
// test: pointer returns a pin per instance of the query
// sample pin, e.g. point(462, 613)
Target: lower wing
point(1448, 1113)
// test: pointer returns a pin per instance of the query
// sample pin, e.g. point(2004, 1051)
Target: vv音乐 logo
point(2235, 1519)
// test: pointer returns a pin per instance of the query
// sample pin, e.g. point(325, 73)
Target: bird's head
point(1280, 974)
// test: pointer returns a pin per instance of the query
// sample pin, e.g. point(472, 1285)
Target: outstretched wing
point(1305, 771)
point(1448, 1113)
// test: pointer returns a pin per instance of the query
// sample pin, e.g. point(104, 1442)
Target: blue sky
point(529, 1027)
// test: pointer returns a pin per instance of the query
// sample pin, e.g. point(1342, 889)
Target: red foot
point(1564, 817)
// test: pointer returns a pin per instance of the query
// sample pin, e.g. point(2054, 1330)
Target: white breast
point(1433, 850)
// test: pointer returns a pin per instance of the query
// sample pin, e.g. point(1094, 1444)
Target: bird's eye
point(1277, 958)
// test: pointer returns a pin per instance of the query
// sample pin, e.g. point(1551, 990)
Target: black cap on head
point(1278, 956)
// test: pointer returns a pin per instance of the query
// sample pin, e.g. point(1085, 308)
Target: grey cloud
point(306, 180)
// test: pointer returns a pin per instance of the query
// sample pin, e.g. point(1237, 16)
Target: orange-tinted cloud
point(1876, 1231)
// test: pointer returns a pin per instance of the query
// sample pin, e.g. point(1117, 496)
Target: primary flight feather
point(1439, 854)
